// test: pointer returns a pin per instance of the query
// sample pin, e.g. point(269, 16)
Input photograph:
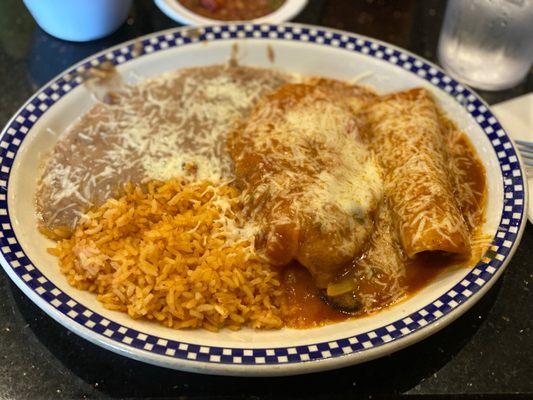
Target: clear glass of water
point(487, 44)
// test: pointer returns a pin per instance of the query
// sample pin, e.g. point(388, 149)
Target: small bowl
point(179, 13)
point(79, 20)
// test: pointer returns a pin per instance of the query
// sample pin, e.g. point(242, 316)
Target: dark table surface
point(487, 351)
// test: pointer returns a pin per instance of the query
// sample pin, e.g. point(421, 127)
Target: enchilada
point(404, 130)
point(309, 181)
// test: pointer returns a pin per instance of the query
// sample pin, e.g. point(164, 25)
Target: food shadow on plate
point(124, 377)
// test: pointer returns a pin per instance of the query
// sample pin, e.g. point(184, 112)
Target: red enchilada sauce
point(305, 307)
point(232, 10)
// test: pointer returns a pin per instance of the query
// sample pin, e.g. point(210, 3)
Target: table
point(487, 351)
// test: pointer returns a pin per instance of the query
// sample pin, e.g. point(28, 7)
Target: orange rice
point(163, 252)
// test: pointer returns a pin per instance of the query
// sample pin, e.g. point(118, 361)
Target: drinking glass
point(487, 44)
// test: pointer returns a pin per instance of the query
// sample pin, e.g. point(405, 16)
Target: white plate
point(298, 48)
point(173, 9)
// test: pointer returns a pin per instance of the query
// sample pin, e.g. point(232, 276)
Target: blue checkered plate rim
point(275, 360)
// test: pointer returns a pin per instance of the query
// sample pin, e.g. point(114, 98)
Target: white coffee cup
point(79, 20)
